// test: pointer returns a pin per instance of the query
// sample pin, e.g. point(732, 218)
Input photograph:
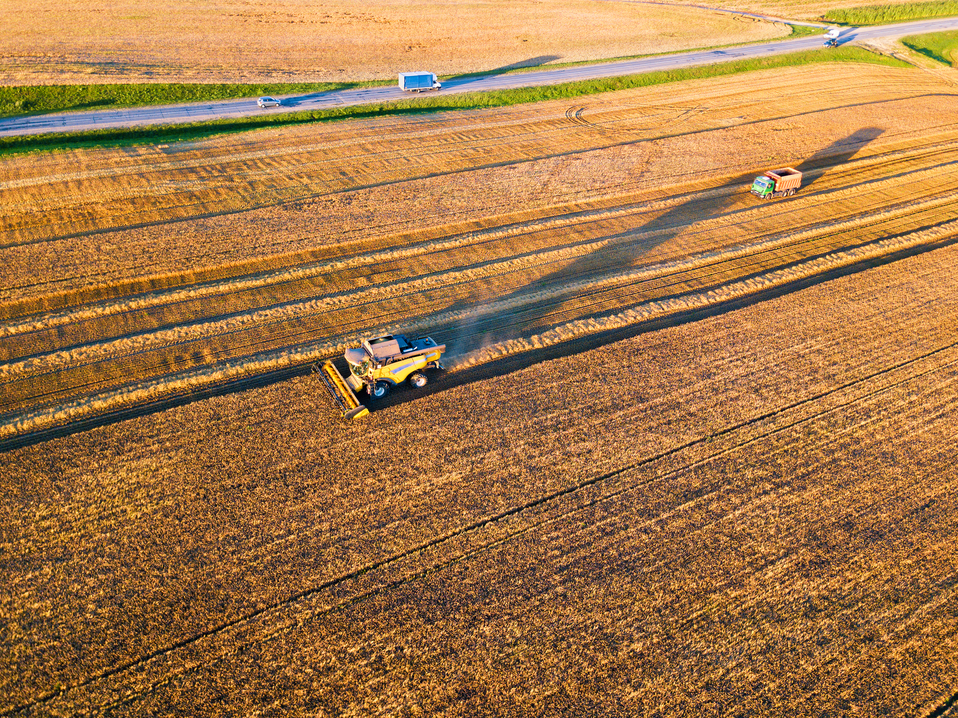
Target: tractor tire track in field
point(206, 195)
point(944, 153)
point(135, 679)
point(527, 315)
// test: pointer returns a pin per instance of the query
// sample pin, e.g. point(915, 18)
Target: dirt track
point(500, 232)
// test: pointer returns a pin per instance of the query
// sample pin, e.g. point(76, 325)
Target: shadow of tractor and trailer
point(623, 251)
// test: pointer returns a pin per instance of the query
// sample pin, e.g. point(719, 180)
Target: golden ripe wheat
point(284, 249)
point(338, 40)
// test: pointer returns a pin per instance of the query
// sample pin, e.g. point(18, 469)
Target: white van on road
point(418, 81)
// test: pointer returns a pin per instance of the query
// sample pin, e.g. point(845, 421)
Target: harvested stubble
point(500, 231)
point(753, 514)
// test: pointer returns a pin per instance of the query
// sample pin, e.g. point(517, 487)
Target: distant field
point(891, 12)
point(336, 40)
point(301, 41)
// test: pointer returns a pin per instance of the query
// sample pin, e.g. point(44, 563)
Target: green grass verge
point(435, 103)
point(61, 98)
point(885, 14)
point(805, 31)
point(939, 46)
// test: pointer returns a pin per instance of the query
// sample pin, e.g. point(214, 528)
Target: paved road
point(174, 114)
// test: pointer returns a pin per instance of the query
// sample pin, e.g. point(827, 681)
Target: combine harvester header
point(377, 366)
point(338, 388)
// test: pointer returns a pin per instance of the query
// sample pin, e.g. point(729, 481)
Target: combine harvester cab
point(377, 366)
point(777, 183)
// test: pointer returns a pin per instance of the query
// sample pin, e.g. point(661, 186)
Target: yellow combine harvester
point(378, 365)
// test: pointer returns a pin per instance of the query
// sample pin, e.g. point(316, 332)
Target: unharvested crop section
point(499, 232)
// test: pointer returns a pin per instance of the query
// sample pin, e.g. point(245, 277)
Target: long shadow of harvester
point(620, 252)
point(617, 252)
point(624, 249)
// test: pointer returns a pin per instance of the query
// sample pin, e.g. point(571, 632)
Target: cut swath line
point(153, 299)
point(689, 302)
point(39, 420)
point(97, 351)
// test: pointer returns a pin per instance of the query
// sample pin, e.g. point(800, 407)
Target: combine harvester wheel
point(340, 391)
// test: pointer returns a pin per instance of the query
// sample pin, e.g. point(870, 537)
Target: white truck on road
point(418, 81)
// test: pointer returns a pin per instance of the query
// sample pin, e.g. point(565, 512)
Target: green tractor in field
point(777, 183)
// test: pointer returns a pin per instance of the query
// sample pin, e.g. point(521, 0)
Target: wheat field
point(338, 40)
point(751, 514)
point(129, 276)
point(692, 455)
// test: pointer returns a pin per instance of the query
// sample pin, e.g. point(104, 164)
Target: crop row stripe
point(152, 390)
point(98, 351)
point(144, 301)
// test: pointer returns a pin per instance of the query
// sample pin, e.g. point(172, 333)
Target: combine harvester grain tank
point(378, 365)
